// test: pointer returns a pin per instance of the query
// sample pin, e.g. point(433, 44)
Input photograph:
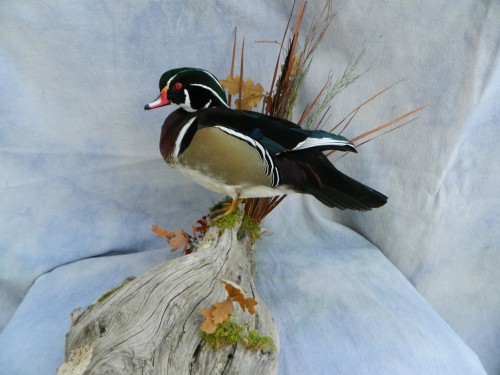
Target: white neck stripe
point(182, 133)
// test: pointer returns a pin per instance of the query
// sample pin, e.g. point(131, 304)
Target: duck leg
point(226, 209)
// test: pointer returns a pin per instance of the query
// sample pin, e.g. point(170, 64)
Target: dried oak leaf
point(159, 231)
point(237, 294)
point(208, 325)
point(250, 88)
point(250, 304)
point(178, 239)
point(215, 315)
point(175, 238)
point(231, 84)
point(251, 93)
point(248, 102)
point(221, 311)
point(200, 228)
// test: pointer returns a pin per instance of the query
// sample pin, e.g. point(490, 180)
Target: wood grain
point(151, 325)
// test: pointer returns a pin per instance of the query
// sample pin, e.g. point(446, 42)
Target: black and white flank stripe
point(266, 158)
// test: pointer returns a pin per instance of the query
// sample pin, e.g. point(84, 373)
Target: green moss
point(251, 227)
point(255, 342)
point(230, 333)
point(227, 333)
point(106, 295)
point(231, 220)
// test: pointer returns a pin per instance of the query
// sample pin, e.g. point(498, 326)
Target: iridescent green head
point(191, 89)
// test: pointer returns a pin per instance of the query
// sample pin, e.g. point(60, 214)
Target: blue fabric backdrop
point(410, 288)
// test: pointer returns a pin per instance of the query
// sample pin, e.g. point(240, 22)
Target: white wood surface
point(151, 325)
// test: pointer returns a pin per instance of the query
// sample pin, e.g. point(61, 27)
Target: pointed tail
point(343, 192)
point(311, 172)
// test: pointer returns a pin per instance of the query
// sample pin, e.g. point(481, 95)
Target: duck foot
point(226, 208)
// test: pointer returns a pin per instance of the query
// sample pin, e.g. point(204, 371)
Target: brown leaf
point(221, 311)
point(236, 294)
point(232, 288)
point(250, 304)
point(249, 102)
point(251, 93)
point(177, 239)
point(159, 231)
point(231, 84)
point(215, 315)
point(201, 227)
point(250, 88)
point(208, 325)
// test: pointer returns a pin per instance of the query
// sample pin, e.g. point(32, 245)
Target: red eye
point(177, 85)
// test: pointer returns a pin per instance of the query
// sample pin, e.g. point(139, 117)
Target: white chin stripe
point(187, 102)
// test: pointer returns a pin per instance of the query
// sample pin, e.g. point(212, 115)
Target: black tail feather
point(348, 194)
point(311, 172)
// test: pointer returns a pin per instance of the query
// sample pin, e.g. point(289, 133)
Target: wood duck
point(247, 154)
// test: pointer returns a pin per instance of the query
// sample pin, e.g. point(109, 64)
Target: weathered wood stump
point(152, 324)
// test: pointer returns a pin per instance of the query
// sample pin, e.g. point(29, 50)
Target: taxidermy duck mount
point(200, 313)
point(247, 154)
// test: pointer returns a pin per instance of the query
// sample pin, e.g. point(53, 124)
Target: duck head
point(191, 89)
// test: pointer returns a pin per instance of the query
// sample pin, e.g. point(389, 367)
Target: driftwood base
point(151, 325)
